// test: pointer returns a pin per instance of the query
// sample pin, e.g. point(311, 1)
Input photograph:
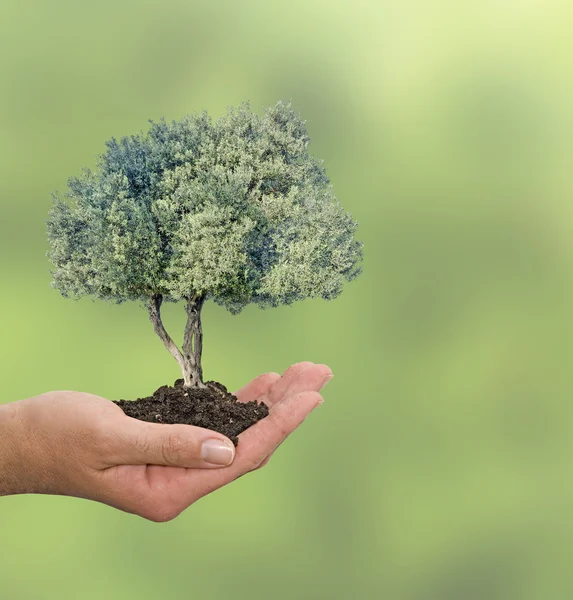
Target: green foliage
point(236, 210)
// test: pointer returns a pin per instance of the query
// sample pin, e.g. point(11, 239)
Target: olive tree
point(234, 209)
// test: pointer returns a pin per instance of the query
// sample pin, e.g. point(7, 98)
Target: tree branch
point(193, 337)
point(188, 334)
point(193, 309)
point(155, 316)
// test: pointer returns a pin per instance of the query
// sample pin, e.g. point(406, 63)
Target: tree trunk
point(193, 341)
point(155, 316)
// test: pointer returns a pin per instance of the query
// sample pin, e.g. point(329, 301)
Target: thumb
point(142, 443)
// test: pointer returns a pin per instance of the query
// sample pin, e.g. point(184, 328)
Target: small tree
point(235, 210)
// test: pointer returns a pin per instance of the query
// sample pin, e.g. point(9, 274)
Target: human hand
point(78, 444)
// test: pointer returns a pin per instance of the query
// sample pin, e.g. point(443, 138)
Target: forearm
point(12, 468)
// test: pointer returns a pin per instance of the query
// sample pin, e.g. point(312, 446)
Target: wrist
point(12, 468)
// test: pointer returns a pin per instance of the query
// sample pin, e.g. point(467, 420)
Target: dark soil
point(212, 407)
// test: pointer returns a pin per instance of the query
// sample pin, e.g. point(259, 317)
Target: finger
point(141, 443)
point(282, 423)
point(278, 388)
point(256, 388)
point(307, 377)
point(265, 461)
point(260, 440)
point(310, 378)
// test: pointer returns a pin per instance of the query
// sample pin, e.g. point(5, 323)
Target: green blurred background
point(441, 465)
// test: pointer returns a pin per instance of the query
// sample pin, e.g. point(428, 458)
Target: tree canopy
point(234, 209)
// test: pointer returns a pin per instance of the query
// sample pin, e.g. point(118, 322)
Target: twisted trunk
point(193, 340)
point(189, 359)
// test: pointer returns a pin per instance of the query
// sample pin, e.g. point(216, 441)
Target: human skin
point(77, 444)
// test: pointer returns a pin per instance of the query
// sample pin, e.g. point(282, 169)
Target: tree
point(235, 210)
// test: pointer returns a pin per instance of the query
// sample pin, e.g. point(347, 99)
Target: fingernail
point(217, 452)
point(326, 380)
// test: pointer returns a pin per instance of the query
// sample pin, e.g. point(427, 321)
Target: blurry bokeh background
point(441, 465)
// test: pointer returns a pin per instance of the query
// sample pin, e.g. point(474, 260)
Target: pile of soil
point(212, 407)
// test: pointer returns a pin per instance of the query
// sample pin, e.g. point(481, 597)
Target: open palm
point(161, 492)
